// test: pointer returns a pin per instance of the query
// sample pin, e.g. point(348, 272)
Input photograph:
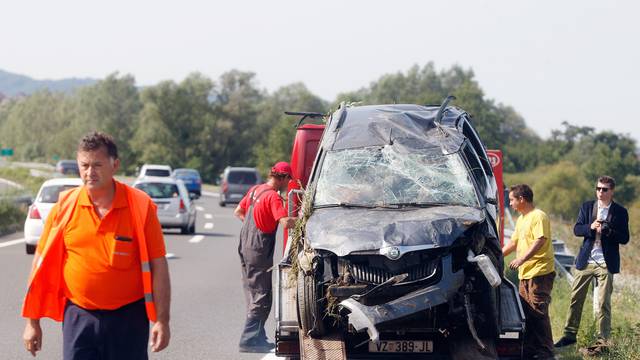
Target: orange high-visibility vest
point(45, 295)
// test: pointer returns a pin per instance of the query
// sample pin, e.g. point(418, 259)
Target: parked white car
point(39, 210)
point(155, 170)
point(175, 206)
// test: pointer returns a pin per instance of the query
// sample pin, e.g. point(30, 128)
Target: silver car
point(236, 181)
point(175, 207)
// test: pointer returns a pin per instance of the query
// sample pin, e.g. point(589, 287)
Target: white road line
point(271, 356)
point(11, 242)
point(208, 216)
point(199, 208)
point(208, 226)
point(196, 239)
point(212, 194)
point(11, 183)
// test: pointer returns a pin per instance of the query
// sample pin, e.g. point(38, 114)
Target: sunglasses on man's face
point(603, 189)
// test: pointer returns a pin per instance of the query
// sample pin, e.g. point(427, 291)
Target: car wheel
point(31, 249)
point(309, 308)
point(184, 229)
point(192, 228)
point(222, 204)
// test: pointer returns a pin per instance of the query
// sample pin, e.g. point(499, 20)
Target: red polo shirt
point(268, 208)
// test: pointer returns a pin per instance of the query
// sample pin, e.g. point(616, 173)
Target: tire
point(222, 204)
point(184, 229)
point(192, 228)
point(309, 309)
point(31, 249)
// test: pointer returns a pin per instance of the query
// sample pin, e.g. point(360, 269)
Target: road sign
point(6, 152)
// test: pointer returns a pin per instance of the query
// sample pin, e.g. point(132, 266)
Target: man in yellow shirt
point(534, 261)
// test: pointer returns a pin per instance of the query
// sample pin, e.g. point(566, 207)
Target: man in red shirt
point(261, 210)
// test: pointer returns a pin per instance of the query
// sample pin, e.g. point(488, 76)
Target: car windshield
point(157, 172)
point(49, 194)
point(159, 190)
point(242, 177)
point(381, 176)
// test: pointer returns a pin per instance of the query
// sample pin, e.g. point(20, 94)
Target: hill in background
point(12, 84)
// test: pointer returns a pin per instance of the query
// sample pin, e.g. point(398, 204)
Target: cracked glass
point(385, 176)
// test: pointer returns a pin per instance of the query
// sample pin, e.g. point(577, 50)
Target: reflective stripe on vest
point(45, 294)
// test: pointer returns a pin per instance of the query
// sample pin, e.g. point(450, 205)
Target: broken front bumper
point(363, 317)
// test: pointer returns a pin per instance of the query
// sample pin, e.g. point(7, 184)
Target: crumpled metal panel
point(411, 126)
point(343, 231)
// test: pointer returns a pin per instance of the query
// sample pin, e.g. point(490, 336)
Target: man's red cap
point(282, 168)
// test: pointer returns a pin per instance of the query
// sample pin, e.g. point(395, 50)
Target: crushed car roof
point(405, 126)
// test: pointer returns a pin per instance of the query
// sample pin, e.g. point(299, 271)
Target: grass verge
point(10, 217)
point(625, 320)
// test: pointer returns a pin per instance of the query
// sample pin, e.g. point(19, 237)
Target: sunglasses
point(603, 189)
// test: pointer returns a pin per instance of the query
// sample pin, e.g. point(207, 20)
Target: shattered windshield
point(379, 176)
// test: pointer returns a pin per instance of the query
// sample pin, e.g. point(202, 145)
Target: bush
point(10, 216)
point(561, 190)
point(22, 176)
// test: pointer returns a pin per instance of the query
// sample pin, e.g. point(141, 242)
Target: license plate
point(401, 346)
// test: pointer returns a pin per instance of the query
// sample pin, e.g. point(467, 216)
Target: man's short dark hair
point(522, 190)
point(604, 179)
point(95, 140)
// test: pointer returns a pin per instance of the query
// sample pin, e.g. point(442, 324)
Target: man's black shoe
point(564, 341)
point(257, 347)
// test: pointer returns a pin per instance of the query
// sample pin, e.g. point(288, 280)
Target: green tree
point(561, 189)
point(499, 126)
point(236, 100)
point(34, 125)
point(112, 105)
point(280, 128)
point(173, 122)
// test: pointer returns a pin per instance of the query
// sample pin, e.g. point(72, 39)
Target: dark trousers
point(121, 334)
point(536, 298)
point(256, 258)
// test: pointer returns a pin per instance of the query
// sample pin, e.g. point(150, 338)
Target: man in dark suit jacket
point(604, 224)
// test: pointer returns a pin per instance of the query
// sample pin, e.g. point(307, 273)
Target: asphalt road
point(207, 310)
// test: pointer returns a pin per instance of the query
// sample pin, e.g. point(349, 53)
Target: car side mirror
point(491, 201)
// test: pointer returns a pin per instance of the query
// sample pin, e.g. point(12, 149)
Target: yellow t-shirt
point(529, 228)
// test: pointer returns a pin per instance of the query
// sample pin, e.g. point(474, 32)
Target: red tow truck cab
point(305, 148)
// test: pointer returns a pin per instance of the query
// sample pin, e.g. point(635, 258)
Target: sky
point(552, 61)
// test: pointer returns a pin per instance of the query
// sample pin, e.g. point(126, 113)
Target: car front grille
point(364, 273)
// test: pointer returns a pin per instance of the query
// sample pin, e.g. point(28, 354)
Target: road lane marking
point(11, 242)
point(196, 239)
point(208, 216)
point(11, 183)
point(212, 194)
point(208, 226)
point(199, 208)
point(271, 356)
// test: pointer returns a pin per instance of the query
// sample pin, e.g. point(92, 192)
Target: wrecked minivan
point(397, 250)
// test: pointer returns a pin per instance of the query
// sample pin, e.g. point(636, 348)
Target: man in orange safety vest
point(100, 266)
